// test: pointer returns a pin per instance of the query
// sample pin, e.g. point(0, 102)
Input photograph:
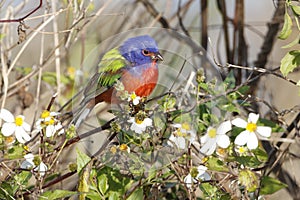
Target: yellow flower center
point(221, 151)
point(113, 150)
point(19, 121)
point(186, 126)
point(194, 172)
point(133, 96)
point(242, 150)
point(212, 133)
point(251, 127)
point(45, 114)
point(71, 70)
point(9, 139)
point(179, 133)
point(123, 147)
point(50, 122)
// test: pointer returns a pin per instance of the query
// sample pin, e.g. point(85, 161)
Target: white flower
point(134, 98)
point(49, 121)
point(195, 175)
point(182, 133)
point(15, 125)
point(249, 136)
point(139, 125)
point(215, 137)
point(28, 163)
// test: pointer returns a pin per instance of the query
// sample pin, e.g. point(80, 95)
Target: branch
point(22, 18)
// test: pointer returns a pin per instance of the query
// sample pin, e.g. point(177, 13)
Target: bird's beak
point(157, 56)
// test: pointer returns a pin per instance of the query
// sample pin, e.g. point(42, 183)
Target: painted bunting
point(134, 63)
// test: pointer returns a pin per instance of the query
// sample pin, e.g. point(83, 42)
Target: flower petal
point(6, 115)
point(223, 141)
point(26, 126)
point(205, 177)
point(50, 130)
point(180, 142)
point(242, 138)
point(224, 127)
point(253, 118)
point(252, 141)
point(42, 168)
point(239, 122)
point(147, 122)
point(21, 135)
point(209, 147)
point(188, 180)
point(27, 165)
point(8, 128)
point(201, 169)
point(264, 131)
point(204, 139)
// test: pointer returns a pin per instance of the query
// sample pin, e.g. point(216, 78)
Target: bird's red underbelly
point(142, 86)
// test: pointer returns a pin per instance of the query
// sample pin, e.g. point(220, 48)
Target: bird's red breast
point(142, 85)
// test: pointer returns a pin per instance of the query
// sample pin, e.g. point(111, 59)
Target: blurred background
point(65, 40)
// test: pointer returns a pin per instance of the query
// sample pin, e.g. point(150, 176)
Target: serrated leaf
point(270, 185)
point(293, 43)
point(103, 183)
point(287, 27)
point(113, 196)
point(56, 194)
point(82, 160)
point(215, 164)
point(289, 62)
point(137, 194)
point(296, 10)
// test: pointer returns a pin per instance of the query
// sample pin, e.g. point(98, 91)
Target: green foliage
point(248, 179)
point(10, 187)
point(109, 183)
point(287, 27)
point(289, 62)
point(82, 160)
point(215, 164)
point(270, 185)
point(292, 58)
point(211, 191)
point(57, 194)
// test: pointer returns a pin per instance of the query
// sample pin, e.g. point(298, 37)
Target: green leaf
point(137, 194)
point(215, 164)
point(102, 183)
point(289, 62)
point(287, 27)
point(230, 80)
point(82, 160)
point(248, 179)
point(249, 161)
point(15, 152)
point(56, 194)
point(113, 196)
point(293, 43)
point(270, 185)
point(296, 10)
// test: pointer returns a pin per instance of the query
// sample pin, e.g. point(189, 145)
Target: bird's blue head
point(140, 50)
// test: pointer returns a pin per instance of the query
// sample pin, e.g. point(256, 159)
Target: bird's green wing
point(110, 68)
point(109, 72)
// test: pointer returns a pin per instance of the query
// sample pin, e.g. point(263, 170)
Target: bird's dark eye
point(145, 52)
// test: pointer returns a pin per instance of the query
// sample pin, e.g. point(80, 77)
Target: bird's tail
point(81, 114)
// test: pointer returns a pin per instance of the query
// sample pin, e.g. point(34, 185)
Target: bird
point(134, 64)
